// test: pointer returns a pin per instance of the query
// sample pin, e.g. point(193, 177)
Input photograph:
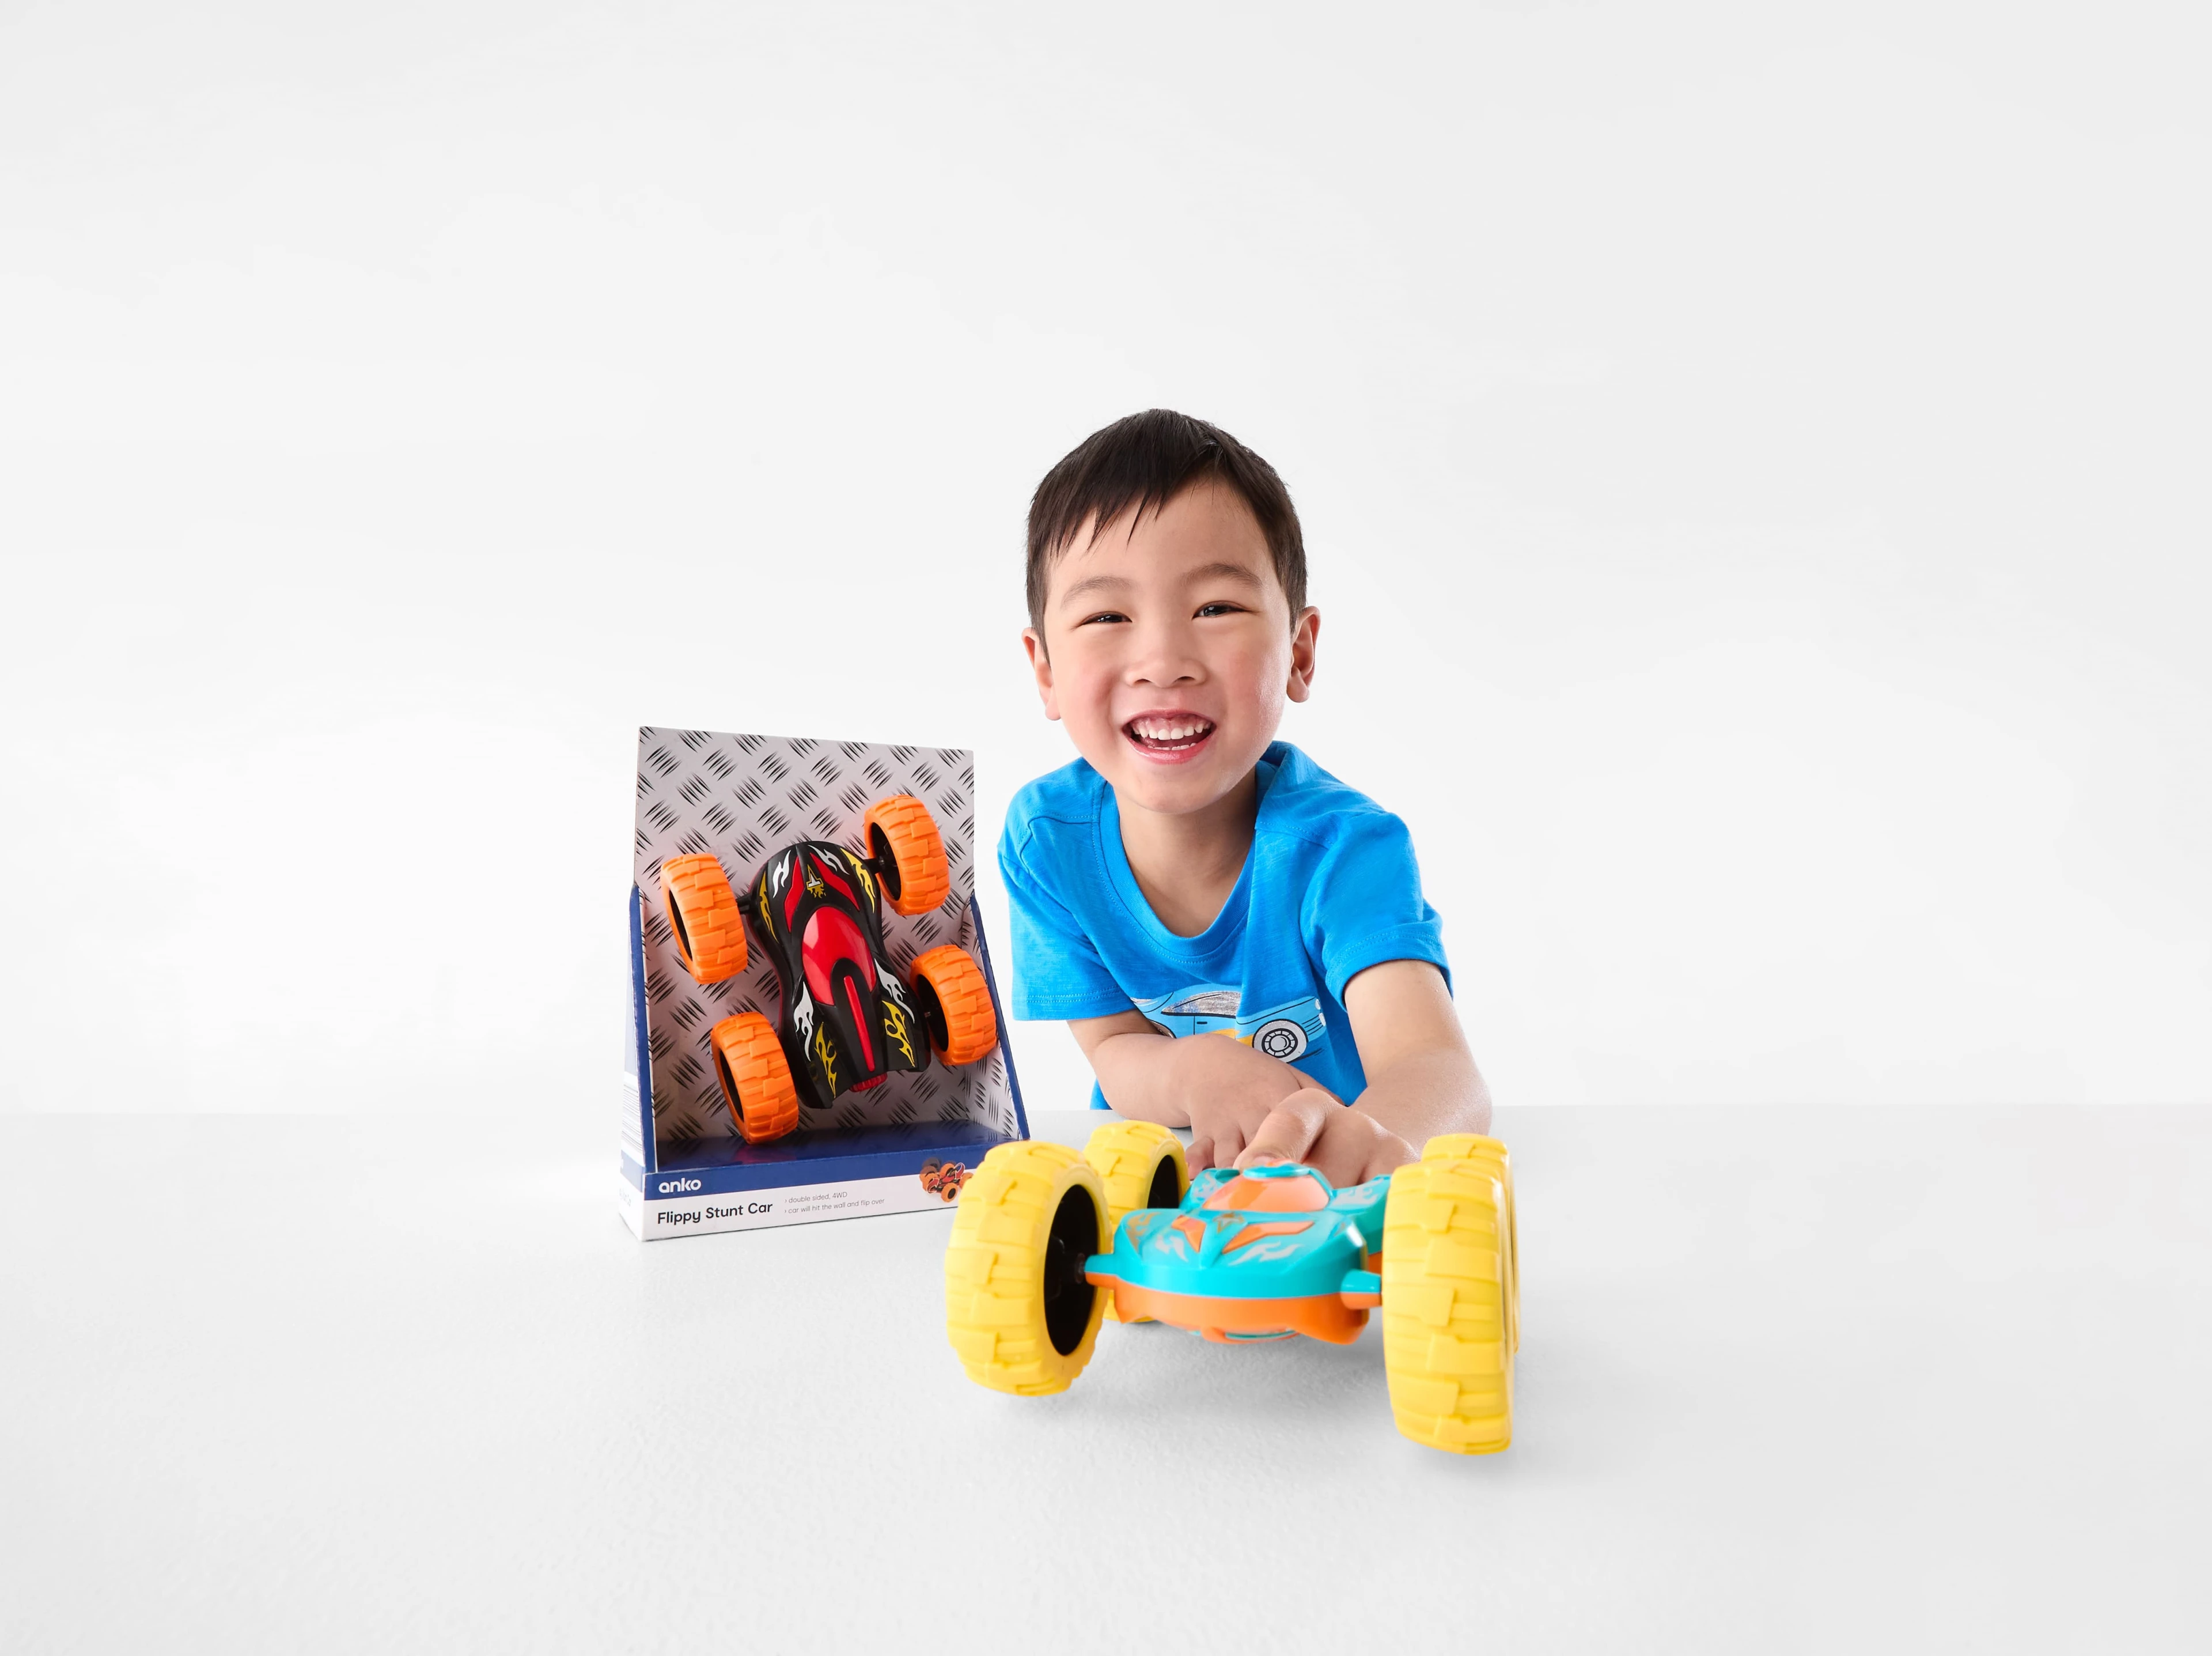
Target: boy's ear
point(1041, 665)
point(1303, 632)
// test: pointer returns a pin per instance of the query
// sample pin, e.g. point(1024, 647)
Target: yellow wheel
point(1017, 1306)
point(1447, 1317)
point(956, 1004)
point(1460, 1147)
point(1141, 1164)
point(908, 854)
point(702, 911)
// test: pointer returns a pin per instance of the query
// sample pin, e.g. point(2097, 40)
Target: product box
point(906, 1139)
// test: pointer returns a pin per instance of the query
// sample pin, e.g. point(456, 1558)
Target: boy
point(1190, 874)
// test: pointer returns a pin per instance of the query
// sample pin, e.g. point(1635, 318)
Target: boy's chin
point(1173, 789)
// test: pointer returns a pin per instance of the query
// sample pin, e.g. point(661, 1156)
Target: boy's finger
point(1386, 1155)
point(1200, 1156)
point(1290, 1130)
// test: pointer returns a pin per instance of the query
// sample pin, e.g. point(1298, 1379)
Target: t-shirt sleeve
point(1057, 969)
point(1364, 906)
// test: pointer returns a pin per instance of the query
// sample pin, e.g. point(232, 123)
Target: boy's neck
point(1186, 865)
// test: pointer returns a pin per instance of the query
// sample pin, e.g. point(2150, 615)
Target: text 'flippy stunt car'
point(1261, 1254)
point(849, 1020)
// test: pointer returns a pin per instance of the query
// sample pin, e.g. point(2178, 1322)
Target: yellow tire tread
point(1127, 1156)
point(1448, 1311)
point(1477, 1146)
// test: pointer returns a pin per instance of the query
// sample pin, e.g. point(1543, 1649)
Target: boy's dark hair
point(1145, 460)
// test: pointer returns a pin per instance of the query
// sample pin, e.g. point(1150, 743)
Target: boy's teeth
point(1167, 730)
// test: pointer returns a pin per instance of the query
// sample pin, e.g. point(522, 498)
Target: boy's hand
point(1347, 1147)
point(1224, 1119)
point(1219, 1087)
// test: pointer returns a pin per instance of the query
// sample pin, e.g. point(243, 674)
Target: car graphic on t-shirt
point(1287, 1031)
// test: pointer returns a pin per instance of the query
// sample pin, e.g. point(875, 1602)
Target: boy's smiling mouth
point(1168, 736)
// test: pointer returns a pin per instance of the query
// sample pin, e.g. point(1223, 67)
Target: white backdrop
point(1753, 464)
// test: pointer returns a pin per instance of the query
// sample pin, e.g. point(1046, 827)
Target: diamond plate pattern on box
point(741, 798)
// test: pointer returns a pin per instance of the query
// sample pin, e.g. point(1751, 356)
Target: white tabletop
point(1789, 1381)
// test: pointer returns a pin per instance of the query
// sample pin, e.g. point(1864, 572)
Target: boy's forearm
point(1135, 1073)
point(1156, 1077)
point(1421, 1079)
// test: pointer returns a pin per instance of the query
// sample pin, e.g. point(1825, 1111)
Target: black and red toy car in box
point(849, 1020)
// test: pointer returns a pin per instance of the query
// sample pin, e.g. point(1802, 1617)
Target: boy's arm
point(1219, 1088)
point(1421, 1081)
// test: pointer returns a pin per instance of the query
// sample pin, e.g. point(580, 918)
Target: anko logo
point(678, 1186)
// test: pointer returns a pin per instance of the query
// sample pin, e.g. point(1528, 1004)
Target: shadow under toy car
point(849, 1020)
point(1259, 1254)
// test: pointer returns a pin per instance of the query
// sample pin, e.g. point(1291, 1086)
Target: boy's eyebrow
point(1093, 583)
point(1227, 572)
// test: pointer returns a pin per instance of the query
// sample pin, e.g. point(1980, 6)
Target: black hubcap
point(1167, 1188)
point(933, 1014)
point(885, 865)
point(1068, 1293)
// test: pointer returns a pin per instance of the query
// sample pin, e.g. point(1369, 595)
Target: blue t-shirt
point(1328, 889)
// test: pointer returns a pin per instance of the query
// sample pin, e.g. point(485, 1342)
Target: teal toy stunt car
point(1047, 1244)
point(1260, 1255)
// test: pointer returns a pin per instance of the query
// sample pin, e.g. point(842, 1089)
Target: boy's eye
point(1102, 615)
point(1223, 608)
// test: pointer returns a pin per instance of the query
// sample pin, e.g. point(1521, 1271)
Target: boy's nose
point(1164, 669)
point(1163, 657)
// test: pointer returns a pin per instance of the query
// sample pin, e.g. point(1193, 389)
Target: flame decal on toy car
point(895, 1027)
point(802, 1018)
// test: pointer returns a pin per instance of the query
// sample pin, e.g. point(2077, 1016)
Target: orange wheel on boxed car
point(908, 854)
point(756, 1077)
point(703, 913)
point(956, 1004)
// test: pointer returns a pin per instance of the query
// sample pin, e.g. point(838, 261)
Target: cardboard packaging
point(907, 1144)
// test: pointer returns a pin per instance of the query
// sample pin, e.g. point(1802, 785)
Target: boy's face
point(1169, 650)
